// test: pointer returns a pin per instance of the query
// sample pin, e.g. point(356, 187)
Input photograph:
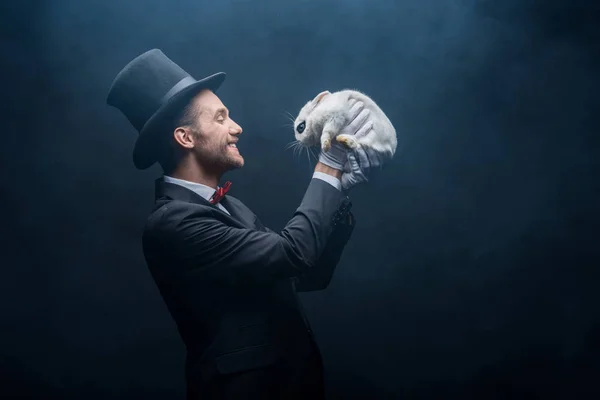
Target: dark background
point(474, 268)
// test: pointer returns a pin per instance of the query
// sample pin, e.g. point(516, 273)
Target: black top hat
point(149, 89)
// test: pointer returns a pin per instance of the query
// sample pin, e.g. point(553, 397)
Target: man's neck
point(196, 175)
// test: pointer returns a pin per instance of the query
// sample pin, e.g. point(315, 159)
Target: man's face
point(216, 135)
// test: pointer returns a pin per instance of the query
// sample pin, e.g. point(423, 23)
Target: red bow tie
point(220, 193)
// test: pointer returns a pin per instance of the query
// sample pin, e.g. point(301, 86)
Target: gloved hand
point(336, 157)
point(360, 161)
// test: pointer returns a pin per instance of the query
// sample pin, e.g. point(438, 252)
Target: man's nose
point(235, 129)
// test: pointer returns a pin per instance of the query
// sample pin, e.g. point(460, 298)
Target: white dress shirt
point(206, 192)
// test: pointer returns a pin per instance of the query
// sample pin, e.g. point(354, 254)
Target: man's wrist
point(326, 169)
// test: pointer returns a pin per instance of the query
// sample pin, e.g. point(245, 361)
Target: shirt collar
point(201, 190)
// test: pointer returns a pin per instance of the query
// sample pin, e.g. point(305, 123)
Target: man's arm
point(194, 242)
point(320, 277)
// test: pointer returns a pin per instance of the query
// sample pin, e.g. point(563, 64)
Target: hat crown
point(139, 89)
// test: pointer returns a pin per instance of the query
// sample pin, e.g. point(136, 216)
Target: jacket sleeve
point(319, 277)
point(186, 238)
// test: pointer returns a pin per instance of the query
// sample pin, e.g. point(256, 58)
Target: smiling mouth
point(233, 147)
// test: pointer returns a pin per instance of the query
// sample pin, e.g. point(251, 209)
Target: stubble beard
point(233, 161)
point(220, 160)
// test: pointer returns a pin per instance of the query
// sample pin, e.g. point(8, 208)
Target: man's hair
point(170, 152)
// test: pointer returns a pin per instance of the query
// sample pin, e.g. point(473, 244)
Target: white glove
point(336, 157)
point(360, 161)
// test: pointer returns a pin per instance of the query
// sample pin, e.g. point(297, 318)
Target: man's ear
point(320, 96)
point(184, 137)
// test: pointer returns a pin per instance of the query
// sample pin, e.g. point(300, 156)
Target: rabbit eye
point(300, 128)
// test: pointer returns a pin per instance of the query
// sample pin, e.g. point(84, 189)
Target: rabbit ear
point(320, 96)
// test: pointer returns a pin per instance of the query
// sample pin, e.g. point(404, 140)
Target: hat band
point(185, 82)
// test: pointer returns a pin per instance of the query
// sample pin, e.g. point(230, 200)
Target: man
point(229, 282)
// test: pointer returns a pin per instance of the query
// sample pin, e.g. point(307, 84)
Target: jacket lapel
point(240, 214)
point(239, 211)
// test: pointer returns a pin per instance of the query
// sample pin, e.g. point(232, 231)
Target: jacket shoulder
point(168, 214)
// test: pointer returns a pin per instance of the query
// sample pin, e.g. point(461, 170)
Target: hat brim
point(147, 145)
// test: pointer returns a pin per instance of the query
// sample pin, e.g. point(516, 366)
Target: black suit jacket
point(230, 284)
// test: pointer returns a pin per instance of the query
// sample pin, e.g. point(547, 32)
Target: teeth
point(233, 145)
